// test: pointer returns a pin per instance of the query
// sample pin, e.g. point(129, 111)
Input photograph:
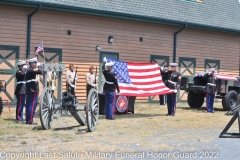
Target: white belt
point(211, 84)
point(109, 82)
point(31, 80)
point(172, 82)
point(21, 82)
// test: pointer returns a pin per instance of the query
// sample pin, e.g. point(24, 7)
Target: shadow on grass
point(138, 115)
point(37, 128)
point(66, 128)
point(13, 120)
point(202, 109)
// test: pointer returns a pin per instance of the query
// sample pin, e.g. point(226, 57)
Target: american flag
point(139, 79)
point(39, 49)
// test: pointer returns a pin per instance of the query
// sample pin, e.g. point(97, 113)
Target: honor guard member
point(164, 79)
point(174, 81)
point(38, 77)
point(20, 90)
point(70, 80)
point(31, 90)
point(51, 77)
point(109, 88)
point(37, 82)
point(211, 89)
point(91, 80)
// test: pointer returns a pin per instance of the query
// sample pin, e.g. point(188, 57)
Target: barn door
point(51, 55)
point(211, 63)
point(161, 61)
point(187, 68)
point(112, 55)
point(9, 57)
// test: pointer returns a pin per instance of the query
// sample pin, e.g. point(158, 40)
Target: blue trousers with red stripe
point(209, 102)
point(171, 104)
point(110, 101)
point(30, 107)
point(35, 104)
point(20, 105)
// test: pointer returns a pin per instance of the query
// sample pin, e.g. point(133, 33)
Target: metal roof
point(216, 13)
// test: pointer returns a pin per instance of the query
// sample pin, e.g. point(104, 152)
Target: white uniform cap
point(21, 63)
point(212, 70)
point(173, 64)
point(33, 60)
point(110, 64)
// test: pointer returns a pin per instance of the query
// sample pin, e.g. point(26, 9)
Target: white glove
point(104, 59)
point(38, 64)
point(76, 78)
point(94, 85)
point(175, 91)
point(72, 86)
point(25, 67)
point(161, 68)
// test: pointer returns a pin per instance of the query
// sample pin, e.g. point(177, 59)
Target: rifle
point(74, 80)
point(96, 78)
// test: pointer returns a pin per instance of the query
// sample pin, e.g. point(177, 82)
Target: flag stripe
point(143, 73)
point(146, 93)
point(137, 70)
point(145, 76)
point(142, 67)
point(146, 79)
point(148, 83)
point(143, 88)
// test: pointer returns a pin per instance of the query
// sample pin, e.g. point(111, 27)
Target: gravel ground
point(148, 134)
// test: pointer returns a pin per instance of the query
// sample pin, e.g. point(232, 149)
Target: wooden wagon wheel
point(46, 108)
point(92, 110)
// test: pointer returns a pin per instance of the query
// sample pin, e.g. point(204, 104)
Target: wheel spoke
point(45, 115)
point(49, 100)
point(95, 99)
point(46, 100)
point(47, 120)
point(44, 104)
point(94, 117)
point(93, 107)
point(45, 109)
point(93, 122)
